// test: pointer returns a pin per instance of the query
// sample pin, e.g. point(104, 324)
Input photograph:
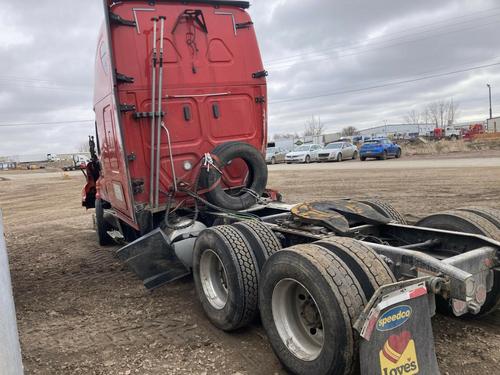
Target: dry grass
point(448, 147)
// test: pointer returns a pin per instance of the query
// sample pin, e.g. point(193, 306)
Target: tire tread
point(372, 265)
point(484, 225)
point(386, 209)
point(491, 214)
point(247, 265)
point(344, 285)
point(269, 242)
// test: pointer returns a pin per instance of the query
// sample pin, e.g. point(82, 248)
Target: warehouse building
point(493, 125)
point(391, 129)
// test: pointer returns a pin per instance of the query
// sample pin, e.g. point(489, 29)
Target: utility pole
point(489, 91)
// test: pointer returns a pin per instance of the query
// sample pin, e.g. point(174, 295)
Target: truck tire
point(491, 214)
point(257, 176)
point(225, 275)
point(370, 270)
point(101, 226)
point(309, 301)
point(261, 239)
point(468, 222)
point(386, 209)
point(461, 221)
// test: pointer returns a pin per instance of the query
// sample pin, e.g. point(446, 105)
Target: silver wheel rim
point(298, 319)
point(213, 279)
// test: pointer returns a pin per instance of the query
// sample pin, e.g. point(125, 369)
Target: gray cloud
point(310, 48)
point(368, 43)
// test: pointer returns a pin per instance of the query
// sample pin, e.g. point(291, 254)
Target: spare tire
point(257, 176)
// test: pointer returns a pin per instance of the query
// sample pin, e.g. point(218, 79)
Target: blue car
point(380, 149)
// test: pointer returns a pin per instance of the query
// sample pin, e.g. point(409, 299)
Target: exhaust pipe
point(153, 117)
point(158, 125)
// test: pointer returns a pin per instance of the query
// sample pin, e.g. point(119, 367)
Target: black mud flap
point(396, 333)
point(153, 259)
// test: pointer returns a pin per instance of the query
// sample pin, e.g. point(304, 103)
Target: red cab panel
point(210, 94)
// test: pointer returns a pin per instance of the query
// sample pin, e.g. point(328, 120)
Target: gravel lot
point(81, 312)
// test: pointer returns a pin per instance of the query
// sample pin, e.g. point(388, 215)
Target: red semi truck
point(473, 131)
point(177, 173)
point(212, 89)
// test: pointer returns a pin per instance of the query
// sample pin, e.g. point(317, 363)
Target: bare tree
point(425, 115)
point(433, 109)
point(413, 117)
point(452, 112)
point(314, 127)
point(349, 131)
point(279, 136)
point(443, 109)
point(443, 113)
point(83, 146)
point(440, 113)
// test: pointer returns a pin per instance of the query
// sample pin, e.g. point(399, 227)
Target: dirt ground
point(81, 312)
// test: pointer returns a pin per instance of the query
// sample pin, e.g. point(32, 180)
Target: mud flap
point(396, 333)
point(153, 259)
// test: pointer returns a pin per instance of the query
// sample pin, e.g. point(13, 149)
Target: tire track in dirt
point(80, 311)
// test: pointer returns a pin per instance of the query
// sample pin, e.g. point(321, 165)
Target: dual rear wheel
point(227, 261)
point(309, 295)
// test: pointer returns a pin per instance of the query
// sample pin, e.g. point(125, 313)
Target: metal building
point(493, 125)
point(391, 129)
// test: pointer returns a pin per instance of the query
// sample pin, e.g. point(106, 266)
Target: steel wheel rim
point(297, 319)
point(213, 278)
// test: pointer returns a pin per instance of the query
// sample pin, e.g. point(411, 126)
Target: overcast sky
point(348, 61)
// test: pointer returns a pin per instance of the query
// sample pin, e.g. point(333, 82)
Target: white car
point(338, 151)
point(275, 155)
point(303, 154)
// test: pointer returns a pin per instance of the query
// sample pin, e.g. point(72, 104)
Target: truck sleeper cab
point(213, 92)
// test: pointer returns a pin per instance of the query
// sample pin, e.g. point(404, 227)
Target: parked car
point(275, 155)
point(345, 139)
point(379, 149)
point(303, 154)
point(338, 151)
point(360, 139)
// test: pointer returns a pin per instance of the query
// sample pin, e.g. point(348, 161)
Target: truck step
point(116, 236)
